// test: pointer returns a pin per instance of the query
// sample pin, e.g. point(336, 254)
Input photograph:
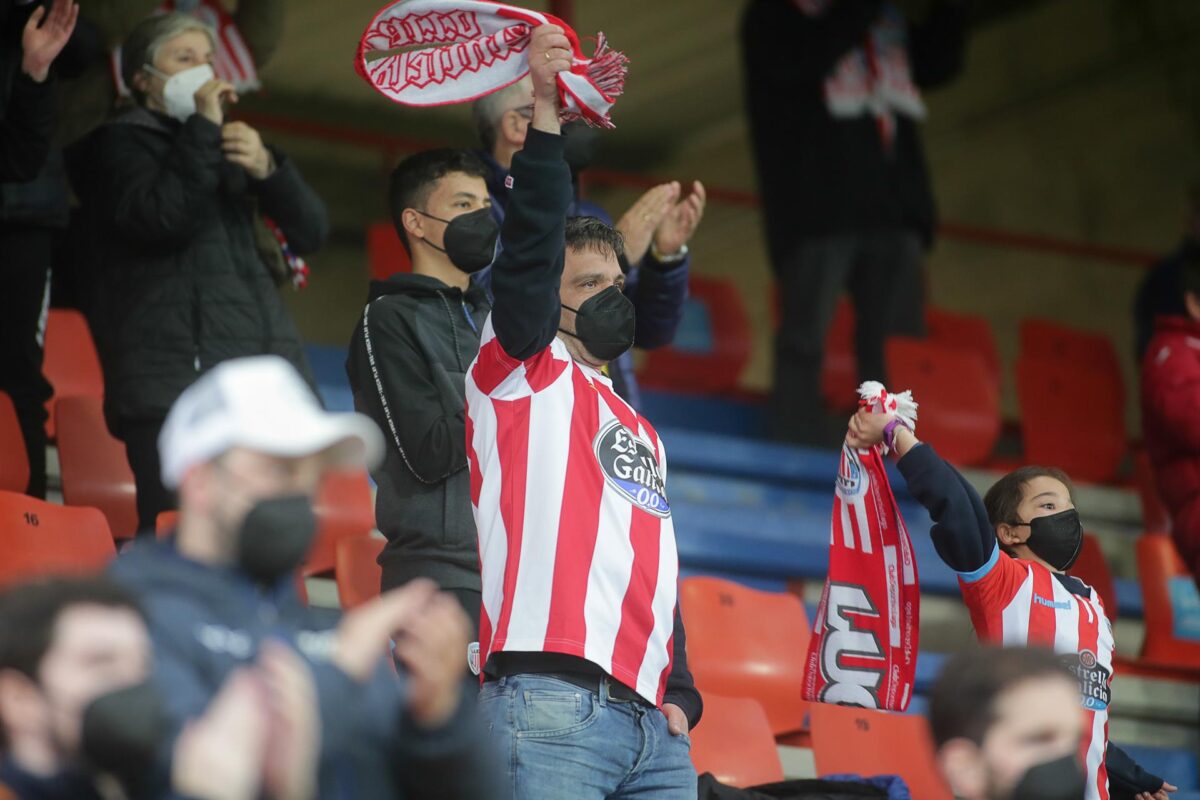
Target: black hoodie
point(407, 365)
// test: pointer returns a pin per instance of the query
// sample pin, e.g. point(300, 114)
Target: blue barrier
point(1174, 766)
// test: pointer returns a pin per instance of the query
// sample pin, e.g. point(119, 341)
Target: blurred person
point(82, 718)
point(246, 446)
point(834, 109)
point(1171, 410)
point(33, 209)
point(171, 194)
point(581, 643)
point(1161, 292)
point(408, 358)
point(657, 227)
point(1011, 551)
point(1007, 726)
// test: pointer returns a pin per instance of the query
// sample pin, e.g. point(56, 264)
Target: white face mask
point(179, 90)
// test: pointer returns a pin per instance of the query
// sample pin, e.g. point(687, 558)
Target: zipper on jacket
point(467, 314)
point(196, 328)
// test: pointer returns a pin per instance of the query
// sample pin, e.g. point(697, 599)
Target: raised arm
point(961, 532)
point(526, 275)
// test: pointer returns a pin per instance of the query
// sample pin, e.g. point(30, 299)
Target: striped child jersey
point(1015, 602)
point(576, 543)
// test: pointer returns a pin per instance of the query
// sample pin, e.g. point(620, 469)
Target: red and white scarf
point(232, 60)
point(864, 646)
point(482, 48)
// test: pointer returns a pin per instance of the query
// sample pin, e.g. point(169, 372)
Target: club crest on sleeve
point(630, 466)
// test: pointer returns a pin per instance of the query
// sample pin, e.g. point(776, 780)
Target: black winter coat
point(179, 284)
point(407, 365)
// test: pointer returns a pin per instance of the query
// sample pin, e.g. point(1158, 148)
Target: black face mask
point(1060, 779)
point(470, 239)
point(122, 731)
point(275, 537)
point(1056, 538)
point(579, 146)
point(604, 323)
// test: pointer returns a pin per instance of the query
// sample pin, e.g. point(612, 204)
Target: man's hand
point(364, 634)
point(433, 648)
point(549, 54)
point(1162, 794)
point(293, 723)
point(681, 222)
point(243, 146)
point(41, 43)
point(220, 755)
point(638, 224)
point(211, 98)
point(677, 721)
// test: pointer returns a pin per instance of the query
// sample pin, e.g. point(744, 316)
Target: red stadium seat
point(1172, 605)
point(14, 461)
point(968, 332)
point(718, 368)
point(1092, 568)
point(1072, 417)
point(746, 643)
point(344, 509)
point(735, 743)
point(358, 575)
point(839, 369)
point(1042, 338)
point(959, 401)
point(39, 538)
point(95, 471)
point(71, 364)
point(863, 742)
point(165, 523)
point(1155, 516)
point(385, 254)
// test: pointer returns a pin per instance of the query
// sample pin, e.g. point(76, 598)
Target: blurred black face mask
point(275, 537)
point(470, 239)
point(1060, 779)
point(580, 145)
point(1056, 538)
point(122, 731)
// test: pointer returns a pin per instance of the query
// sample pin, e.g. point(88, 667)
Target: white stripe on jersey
point(1016, 614)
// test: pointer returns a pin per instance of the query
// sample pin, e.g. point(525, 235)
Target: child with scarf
point(1012, 550)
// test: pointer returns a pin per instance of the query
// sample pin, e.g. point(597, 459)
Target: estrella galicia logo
point(851, 481)
point(630, 466)
point(1093, 677)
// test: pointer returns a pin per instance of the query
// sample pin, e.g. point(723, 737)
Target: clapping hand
point(43, 41)
point(680, 222)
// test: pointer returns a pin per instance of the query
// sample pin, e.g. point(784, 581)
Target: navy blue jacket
point(205, 622)
point(966, 541)
point(657, 290)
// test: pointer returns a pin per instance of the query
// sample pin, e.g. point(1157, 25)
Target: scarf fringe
point(901, 404)
point(608, 68)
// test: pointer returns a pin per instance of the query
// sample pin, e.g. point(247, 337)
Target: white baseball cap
point(260, 403)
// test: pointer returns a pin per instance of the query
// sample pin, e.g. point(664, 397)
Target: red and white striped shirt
point(1018, 603)
point(576, 541)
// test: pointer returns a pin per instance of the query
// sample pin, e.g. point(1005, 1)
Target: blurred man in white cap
point(245, 447)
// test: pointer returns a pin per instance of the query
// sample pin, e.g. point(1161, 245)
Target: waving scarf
point(482, 47)
point(864, 646)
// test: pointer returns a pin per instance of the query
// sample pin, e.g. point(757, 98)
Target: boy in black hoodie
point(418, 334)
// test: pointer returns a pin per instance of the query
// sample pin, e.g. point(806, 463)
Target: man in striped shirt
point(1012, 551)
point(585, 676)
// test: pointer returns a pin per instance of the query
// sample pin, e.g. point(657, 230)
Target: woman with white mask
point(173, 195)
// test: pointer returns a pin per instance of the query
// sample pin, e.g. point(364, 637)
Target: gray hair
point(144, 41)
point(488, 109)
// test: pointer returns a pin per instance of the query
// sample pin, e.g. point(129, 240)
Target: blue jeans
point(563, 742)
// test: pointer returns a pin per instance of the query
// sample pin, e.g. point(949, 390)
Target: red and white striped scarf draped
point(232, 60)
point(482, 47)
point(864, 646)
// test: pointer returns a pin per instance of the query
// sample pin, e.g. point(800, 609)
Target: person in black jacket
point(834, 108)
point(409, 354)
point(33, 206)
point(172, 192)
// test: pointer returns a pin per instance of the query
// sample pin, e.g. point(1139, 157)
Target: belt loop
point(602, 692)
